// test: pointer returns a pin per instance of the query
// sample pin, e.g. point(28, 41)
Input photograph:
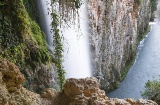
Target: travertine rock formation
point(11, 90)
point(86, 92)
point(76, 91)
point(116, 27)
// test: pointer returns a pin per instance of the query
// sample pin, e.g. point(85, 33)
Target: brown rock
point(11, 75)
point(76, 91)
point(86, 92)
point(49, 93)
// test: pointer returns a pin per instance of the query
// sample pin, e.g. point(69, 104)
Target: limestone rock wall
point(116, 27)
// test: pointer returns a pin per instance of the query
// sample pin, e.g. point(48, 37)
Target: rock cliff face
point(76, 91)
point(116, 27)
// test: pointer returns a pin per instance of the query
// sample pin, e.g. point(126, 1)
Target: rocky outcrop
point(11, 75)
point(116, 27)
point(75, 92)
point(23, 42)
point(11, 90)
point(86, 92)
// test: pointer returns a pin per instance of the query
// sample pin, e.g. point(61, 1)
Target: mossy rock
point(21, 39)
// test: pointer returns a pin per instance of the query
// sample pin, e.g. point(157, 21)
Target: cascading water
point(76, 54)
point(77, 59)
point(45, 20)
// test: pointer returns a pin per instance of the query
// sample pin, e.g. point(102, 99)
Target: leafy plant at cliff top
point(152, 90)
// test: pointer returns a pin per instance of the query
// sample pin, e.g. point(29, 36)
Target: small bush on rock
point(152, 91)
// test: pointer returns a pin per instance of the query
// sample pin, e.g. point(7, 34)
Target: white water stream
point(77, 59)
point(76, 51)
point(45, 20)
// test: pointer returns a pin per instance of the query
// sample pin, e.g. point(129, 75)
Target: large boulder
point(11, 75)
point(11, 90)
point(87, 92)
point(84, 91)
point(75, 91)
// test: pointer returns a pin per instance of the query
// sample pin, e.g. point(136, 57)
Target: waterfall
point(76, 55)
point(76, 51)
point(45, 20)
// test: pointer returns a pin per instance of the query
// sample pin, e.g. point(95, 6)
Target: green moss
point(21, 40)
point(138, 1)
point(58, 50)
point(153, 7)
point(114, 85)
point(128, 65)
point(30, 6)
point(2, 3)
point(37, 34)
point(131, 60)
point(142, 34)
point(14, 54)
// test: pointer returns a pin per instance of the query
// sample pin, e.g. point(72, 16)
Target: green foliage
point(78, 3)
point(14, 54)
point(74, 3)
point(37, 33)
point(30, 6)
point(21, 36)
point(7, 39)
point(153, 6)
point(2, 3)
point(67, 11)
point(21, 39)
point(142, 34)
point(58, 50)
point(138, 1)
point(67, 14)
point(152, 88)
point(128, 64)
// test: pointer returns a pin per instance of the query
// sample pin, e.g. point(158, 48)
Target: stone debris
point(75, 91)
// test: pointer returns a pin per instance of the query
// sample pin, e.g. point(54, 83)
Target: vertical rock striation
point(116, 27)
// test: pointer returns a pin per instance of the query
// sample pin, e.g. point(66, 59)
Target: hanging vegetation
point(64, 12)
point(67, 11)
point(58, 50)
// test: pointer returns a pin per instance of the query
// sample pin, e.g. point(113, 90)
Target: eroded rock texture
point(11, 90)
point(87, 92)
point(116, 27)
point(76, 91)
